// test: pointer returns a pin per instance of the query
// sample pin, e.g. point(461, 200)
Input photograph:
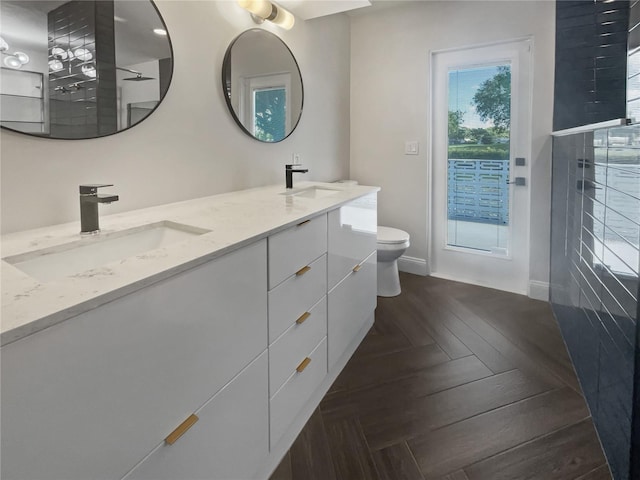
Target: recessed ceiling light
point(119, 19)
point(160, 31)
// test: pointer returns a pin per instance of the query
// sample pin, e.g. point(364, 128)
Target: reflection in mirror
point(82, 68)
point(262, 85)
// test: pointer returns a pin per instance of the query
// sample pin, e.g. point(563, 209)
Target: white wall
point(390, 52)
point(190, 146)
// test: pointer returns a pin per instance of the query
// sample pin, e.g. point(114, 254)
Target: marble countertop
point(234, 220)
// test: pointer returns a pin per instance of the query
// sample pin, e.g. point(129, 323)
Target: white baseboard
point(538, 290)
point(417, 266)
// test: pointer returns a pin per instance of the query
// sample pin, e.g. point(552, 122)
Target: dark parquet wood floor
point(453, 382)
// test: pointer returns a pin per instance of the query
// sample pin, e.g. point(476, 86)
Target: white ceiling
point(308, 9)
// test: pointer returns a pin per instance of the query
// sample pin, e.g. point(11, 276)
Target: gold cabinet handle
point(303, 270)
point(182, 429)
point(303, 223)
point(357, 267)
point(303, 317)
point(303, 364)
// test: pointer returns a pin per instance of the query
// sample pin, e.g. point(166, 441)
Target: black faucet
point(89, 200)
point(290, 170)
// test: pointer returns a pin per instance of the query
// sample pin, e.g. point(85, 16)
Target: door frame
point(522, 287)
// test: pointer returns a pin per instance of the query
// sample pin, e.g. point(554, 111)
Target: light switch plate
point(411, 147)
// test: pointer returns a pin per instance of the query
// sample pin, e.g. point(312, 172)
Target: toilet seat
point(392, 236)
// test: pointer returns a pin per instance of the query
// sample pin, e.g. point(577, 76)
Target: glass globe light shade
point(55, 65)
point(89, 71)
point(83, 54)
point(22, 57)
point(12, 62)
point(60, 53)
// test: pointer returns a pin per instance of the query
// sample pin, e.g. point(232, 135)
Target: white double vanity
point(199, 354)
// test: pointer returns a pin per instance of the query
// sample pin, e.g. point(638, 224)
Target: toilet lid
point(391, 235)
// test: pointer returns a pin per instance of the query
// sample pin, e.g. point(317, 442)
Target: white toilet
point(392, 243)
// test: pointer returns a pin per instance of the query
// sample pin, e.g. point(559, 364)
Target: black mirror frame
point(226, 80)
point(132, 126)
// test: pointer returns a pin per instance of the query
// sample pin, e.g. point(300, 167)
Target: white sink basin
point(312, 192)
point(91, 252)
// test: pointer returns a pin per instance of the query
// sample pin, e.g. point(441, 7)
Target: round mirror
point(262, 85)
point(81, 68)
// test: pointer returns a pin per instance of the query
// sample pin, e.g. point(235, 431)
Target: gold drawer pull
point(303, 317)
point(357, 267)
point(182, 429)
point(302, 223)
point(303, 270)
point(303, 364)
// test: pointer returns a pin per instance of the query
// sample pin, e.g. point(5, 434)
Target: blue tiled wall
point(591, 61)
point(595, 261)
point(633, 63)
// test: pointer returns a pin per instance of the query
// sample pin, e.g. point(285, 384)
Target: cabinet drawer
point(94, 394)
point(295, 248)
point(350, 304)
point(286, 353)
point(290, 399)
point(295, 296)
point(352, 231)
point(229, 440)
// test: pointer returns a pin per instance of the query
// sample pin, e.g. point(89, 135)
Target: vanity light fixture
point(22, 57)
point(61, 54)
point(89, 71)
point(12, 62)
point(83, 54)
point(15, 60)
point(262, 10)
point(55, 65)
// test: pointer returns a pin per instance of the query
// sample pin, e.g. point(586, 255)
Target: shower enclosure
point(595, 264)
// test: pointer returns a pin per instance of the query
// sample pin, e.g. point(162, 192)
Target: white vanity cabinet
point(352, 272)
point(207, 374)
point(293, 297)
point(346, 312)
point(295, 248)
point(351, 305)
point(229, 440)
point(90, 397)
point(297, 319)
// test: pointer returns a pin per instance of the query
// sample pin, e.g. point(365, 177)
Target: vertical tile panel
point(590, 69)
point(598, 316)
